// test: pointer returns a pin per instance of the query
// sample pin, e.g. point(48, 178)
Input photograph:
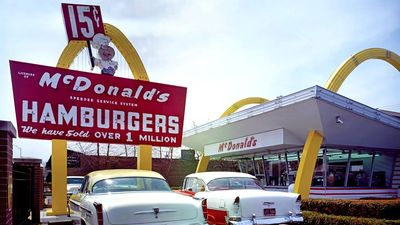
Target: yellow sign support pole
point(144, 158)
point(308, 159)
point(59, 177)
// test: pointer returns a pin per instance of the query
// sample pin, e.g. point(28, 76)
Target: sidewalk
point(60, 220)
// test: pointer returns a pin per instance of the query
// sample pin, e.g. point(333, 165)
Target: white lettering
point(67, 116)
point(99, 89)
point(148, 95)
point(112, 90)
point(67, 79)
point(163, 97)
point(173, 122)
point(103, 121)
point(160, 123)
point(77, 116)
point(118, 118)
point(47, 114)
point(26, 111)
point(87, 117)
point(133, 123)
point(53, 81)
point(82, 84)
point(146, 122)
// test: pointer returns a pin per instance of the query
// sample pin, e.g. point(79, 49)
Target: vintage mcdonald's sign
point(55, 103)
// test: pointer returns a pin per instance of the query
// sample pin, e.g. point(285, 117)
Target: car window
point(229, 183)
point(219, 184)
point(194, 184)
point(84, 185)
point(74, 180)
point(188, 186)
point(124, 184)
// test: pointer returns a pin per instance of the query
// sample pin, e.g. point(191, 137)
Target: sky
point(221, 50)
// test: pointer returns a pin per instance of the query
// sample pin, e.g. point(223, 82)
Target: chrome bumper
point(274, 220)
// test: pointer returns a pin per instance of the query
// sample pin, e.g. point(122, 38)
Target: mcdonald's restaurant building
point(359, 156)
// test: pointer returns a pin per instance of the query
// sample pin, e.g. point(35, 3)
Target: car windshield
point(123, 184)
point(229, 183)
point(74, 180)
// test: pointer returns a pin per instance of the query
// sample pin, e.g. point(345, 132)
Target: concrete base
point(47, 218)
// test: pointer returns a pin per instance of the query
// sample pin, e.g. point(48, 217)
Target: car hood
point(148, 207)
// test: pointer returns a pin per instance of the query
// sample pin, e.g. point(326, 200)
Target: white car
point(74, 184)
point(133, 197)
point(236, 198)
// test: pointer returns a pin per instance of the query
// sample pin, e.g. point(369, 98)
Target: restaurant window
point(333, 168)
point(281, 168)
point(367, 163)
point(276, 169)
point(362, 169)
point(382, 169)
point(293, 165)
point(319, 170)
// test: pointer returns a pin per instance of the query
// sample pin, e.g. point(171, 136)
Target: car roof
point(75, 177)
point(209, 176)
point(106, 174)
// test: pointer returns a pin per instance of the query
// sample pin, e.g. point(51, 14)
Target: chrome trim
point(274, 220)
point(152, 211)
point(86, 210)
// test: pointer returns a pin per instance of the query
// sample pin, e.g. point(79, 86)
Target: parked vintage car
point(127, 196)
point(236, 198)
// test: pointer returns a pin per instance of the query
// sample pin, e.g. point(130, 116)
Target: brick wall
point(174, 170)
point(7, 133)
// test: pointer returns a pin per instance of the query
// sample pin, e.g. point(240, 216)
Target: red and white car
point(237, 199)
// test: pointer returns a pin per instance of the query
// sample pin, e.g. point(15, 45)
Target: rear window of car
point(124, 184)
point(74, 180)
point(229, 183)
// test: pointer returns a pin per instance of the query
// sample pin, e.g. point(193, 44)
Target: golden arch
point(337, 78)
point(314, 138)
point(243, 102)
point(59, 147)
point(203, 162)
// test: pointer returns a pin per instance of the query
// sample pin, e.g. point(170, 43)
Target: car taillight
point(204, 206)
point(234, 211)
point(298, 202)
point(99, 212)
point(237, 201)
